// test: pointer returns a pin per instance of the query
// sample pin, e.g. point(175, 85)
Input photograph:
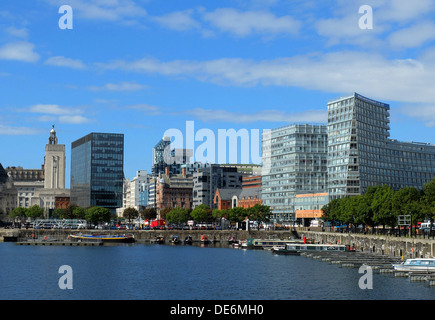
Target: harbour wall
point(387, 245)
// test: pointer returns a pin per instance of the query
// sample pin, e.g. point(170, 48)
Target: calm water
point(164, 272)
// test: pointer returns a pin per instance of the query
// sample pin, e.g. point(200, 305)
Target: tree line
point(204, 214)
point(201, 214)
point(93, 215)
point(381, 206)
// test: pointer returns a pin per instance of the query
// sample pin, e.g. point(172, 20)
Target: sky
point(142, 67)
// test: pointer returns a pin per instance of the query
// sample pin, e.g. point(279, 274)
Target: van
point(426, 225)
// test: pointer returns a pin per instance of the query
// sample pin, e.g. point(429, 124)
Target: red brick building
point(174, 190)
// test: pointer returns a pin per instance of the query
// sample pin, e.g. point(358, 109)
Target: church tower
point(54, 163)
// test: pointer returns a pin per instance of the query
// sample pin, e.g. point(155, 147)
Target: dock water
point(382, 264)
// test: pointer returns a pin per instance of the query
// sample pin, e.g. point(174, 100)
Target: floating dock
point(378, 263)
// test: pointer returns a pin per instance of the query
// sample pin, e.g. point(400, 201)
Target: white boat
point(269, 244)
point(419, 264)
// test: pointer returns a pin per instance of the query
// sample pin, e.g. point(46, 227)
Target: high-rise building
point(97, 170)
point(207, 180)
point(161, 156)
point(294, 162)
point(164, 157)
point(361, 154)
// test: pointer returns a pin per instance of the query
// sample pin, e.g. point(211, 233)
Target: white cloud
point(21, 51)
point(179, 21)
point(414, 36)
point(407, 80)
point(15, 131)
point(249, 22)
point(73, 119)
point(261, 116)
point(123, 86)
point(56, 113)
point(60, 61)
point(18, 32)
point(53, 109)
point(423, 112)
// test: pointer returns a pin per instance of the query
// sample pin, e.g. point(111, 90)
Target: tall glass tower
point(294, 162)
point(361, 154)
point(97, 170)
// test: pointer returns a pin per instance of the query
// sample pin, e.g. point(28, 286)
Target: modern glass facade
point(294, 162)
point(97, 170)
point(161, 156)
point(361, 154)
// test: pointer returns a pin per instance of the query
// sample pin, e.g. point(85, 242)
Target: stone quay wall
point(387, 245)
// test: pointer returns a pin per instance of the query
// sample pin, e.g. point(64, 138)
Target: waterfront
point(166, 272)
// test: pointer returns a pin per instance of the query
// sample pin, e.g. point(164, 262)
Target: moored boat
point(268, 244)
point(296, 248)
point(231, 240)
point(420, 264)
point(121, 238)
point(188, 240)
point(204, 239)
point(159, 240)
point(175, 240)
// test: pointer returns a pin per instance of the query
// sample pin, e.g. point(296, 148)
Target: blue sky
point(140, 67)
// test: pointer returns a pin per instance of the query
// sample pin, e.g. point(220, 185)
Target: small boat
point(159, 240)
point(243, 244)
point(188, 240)
point(122, 238)
point(204, 239)
point(296, 249)
point(232, 240)
point(420, 264)
point(285, 252)
point(175, 240)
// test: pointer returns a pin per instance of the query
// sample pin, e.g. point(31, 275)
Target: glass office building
point(97, 170)
point(294, 162)
point(361, 154)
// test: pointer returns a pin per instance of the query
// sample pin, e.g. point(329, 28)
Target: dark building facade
point(97, 170)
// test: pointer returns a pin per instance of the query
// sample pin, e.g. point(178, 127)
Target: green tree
point(177, 216)
point(237, 214)
point(149, 213)
point(79, 213)
point(18, 213)
point(219, 214)
point(68, 213)
point(382, 206)
point(130, 213)
point(259, 213)
point(202, 213)
point(98, 215)
point(428, 200)
point(35, 212)
point(58, 213)
point(406, 201)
